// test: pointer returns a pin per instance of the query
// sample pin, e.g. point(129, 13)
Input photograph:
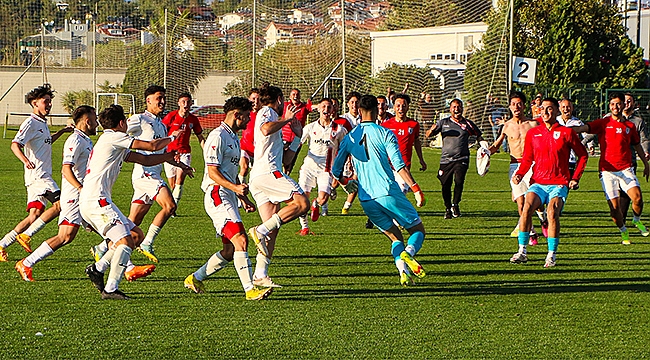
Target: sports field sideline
point(341, 296)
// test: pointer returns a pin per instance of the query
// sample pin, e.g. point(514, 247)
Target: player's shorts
point(612, 180)
point(40, 192)
point(521, 188)
point(548, 192)
point(105, 217)
point(310, 177)
point(222, 206)
point(70, 214)
point(145, 190)
point(275, 187)
point(173, 171)
point(383, 210)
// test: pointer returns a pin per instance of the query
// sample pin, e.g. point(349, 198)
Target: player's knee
point(228, 252)
point(302, 203)
point(169, 207)
point(137, 235)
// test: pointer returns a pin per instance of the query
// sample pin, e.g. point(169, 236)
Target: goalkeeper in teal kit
point(373, 150)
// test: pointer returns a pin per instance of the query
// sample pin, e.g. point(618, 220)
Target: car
point(210, 116)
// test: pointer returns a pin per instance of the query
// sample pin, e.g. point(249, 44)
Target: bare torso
point(516, 133)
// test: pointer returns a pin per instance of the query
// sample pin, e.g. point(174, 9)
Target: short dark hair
point(237, 103)
point(39, 93)
point(368, 102)
point(456, 100)
point(184, 95)
point(627, 93)
point(81, 111)
point(403, 96)
point(269, 94)
point(616, 95)
point(553, 101)
point(352, 94)
point(253, 91)
point(110, 117)
point(517, 95)
point(382, 97)
point(152, 89)
point(326, 99)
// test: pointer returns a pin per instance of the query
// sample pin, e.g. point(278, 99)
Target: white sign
point(523, 70)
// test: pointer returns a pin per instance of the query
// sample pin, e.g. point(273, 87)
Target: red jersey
point(406, 132)
point(173, 122)
point(550, 151)
point(343, 122)
point(247, 141)
point(615, 139)
point(302, 111)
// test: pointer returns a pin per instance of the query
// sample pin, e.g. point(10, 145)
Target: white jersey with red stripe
point(147, 127)
point(221, 149)
point(323, 143)
point(268, 148)
point(353, 120)
point(105, 164)
point(76, 152)
point(34, 136)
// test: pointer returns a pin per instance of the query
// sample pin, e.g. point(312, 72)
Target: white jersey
point(105, 164)
point(147, 127)
point(353, 120)
point(221, 149)
point(323, 143)
point(268, 149)
point(573, 122)
point(34, 136)
point(76, 152)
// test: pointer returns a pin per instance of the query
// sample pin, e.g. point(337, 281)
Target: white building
point(229, 20)
point(641, 36)
point(442, 47)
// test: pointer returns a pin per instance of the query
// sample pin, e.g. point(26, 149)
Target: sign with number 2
point(523, 70)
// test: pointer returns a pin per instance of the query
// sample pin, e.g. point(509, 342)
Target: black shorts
point(449, 169)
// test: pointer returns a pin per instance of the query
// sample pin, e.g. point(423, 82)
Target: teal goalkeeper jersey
point(373, 149)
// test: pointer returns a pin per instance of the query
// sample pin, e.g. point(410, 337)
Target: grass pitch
point(341, 296)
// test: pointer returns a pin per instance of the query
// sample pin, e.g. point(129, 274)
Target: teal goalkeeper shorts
point(383, 210)
point(547, 192)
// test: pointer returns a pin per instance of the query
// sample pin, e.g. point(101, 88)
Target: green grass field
point(341, 296)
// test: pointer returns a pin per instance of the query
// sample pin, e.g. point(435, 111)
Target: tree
point(408, 14)
point(574, 42)
point(73, 99)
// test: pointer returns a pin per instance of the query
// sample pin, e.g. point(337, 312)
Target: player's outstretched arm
point(150, 160)
point(497, 143)
point(58, 134)
point(188, 170)
point(580, 129)
point(641, 153)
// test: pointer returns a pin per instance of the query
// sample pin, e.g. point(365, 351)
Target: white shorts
point(222, 206)
point(524, 184)
point(612, 180)
point(275, 187)
point(70, 213)
point(37, 191)
point(172, 171)
point(104, 216)
point(145, 190)
point(310, 177)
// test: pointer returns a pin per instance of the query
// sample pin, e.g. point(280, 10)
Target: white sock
point(551, 254)
point(401, 266)
point(129, 265)
point(152, 233)
point(177, 193)
point(410, 250)
point(118, 267)
point(269, 225)
point(105, 262)
point(215, 263)
point(304, 223)
point(8, 239)
point(244, 269)
point(347, 205)
point(522, 249)
point(261, 266)
point(35, 227)
point(44, 250)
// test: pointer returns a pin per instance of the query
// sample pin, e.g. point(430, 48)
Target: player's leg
point(270, 219)
point(67, 233)
point(179, 180)
point(165, 199)
point(122, 254)
point(554, 209)
point(460, 171)
point(611, 184)
point(404, 214)
point(306, 181)
point(446, 181)
point(304, 221)
point(324, 183)
point(532, 201)
point(632, 189)
point(46, 217)
point(242, 262)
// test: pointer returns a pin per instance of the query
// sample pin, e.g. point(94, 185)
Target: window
point(469, 42)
